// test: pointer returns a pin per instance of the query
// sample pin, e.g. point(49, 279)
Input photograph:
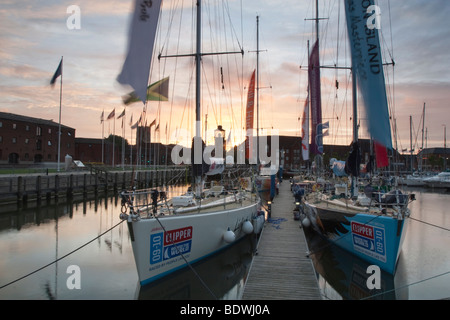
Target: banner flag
point(368, 65)
point(136, 68)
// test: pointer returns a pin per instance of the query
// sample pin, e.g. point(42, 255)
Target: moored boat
point(372, 224)
point(170, 234)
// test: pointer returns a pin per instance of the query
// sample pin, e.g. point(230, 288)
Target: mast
point(198, 125)
point(410, 143)
point(257, 93)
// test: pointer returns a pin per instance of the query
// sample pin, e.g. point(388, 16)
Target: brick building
point(26, 140)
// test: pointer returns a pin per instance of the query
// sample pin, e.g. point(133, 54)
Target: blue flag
point(58, 73)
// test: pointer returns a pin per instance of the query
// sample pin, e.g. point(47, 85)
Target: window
point(38, 131)
point(14, 126)
point(49, 130)
point(49, 142)
point(27, 141)
point(14, 140)
point(1, 139)
point(38, 145)
point(27, 128)
point(1, 124)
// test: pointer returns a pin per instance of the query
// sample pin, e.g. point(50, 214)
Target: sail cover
point(136, 68)
point(316, 103)
point(366, 59)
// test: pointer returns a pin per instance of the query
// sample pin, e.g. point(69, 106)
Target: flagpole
point(103, 136)
point(114, 140)
point(59, 126)
point(123, 140)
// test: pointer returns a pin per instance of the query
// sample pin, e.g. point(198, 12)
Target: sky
point(34, 35)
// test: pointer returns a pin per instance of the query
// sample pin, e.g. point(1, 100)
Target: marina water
point(32, 239)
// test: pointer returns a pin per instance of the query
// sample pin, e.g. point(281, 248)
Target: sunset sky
point(34, 36)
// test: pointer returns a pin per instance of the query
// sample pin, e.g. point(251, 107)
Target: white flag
point(136, 68)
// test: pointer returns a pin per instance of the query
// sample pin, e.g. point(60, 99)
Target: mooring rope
point(64, 256)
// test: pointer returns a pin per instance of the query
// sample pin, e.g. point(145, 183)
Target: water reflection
point(37, 237)
point(222, 276)
point(423, 269)
point(342, 275)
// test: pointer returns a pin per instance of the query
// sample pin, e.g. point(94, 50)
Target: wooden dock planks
point(281, 270)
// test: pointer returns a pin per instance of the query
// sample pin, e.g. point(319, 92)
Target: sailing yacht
point(171, 234)
point(371, 224)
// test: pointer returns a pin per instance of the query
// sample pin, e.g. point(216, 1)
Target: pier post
point(38, 189)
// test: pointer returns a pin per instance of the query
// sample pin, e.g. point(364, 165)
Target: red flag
point(249, 116)
point(381, 155)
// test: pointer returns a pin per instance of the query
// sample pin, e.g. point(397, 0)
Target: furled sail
point(368, 66)
point(316, 103)
point(305, 131)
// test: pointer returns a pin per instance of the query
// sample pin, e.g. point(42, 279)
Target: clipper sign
point(170, 244)
point(369, 240)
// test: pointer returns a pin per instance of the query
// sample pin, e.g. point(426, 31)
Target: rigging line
point(407, 285)
point(64, 256)
point(430, 224)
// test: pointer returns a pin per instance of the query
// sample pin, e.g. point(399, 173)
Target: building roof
point(17, 117)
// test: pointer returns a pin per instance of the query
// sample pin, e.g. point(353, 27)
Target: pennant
point(102, 117)
point(158, 91)
point(134, 126)
point(142, 32)
point(153, 123)
point(112, 114)
point(58, 73)
point(122, 114)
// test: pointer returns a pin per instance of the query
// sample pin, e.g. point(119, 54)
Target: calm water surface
point(31, 238)
point(34, 237)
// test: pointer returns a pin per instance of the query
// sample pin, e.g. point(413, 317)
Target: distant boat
point(370, 225)
point(442, 180)
point(414, 180)
point(170, 234)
